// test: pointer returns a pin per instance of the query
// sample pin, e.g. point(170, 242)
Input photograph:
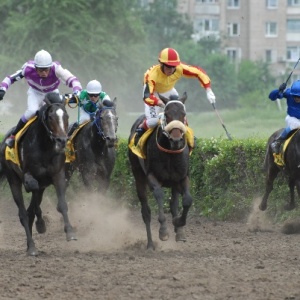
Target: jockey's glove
point(2, 93)
point(210, 96)
point(282, 87)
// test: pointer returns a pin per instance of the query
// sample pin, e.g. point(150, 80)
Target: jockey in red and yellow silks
point(161, 79)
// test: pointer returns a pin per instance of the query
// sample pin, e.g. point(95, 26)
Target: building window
point(233, 54)
point(233, 29)
point(205, 25)
point(272, 4)
point(271, 29)
point(270, 56)
point(293, 26)
point(207, 1)
point(293, 2)
point(233, 3)
point(292, 53)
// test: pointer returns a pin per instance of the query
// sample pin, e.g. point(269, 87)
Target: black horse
point(290, 168)
point(94, 147)
point(166, 165)
point(41, 152)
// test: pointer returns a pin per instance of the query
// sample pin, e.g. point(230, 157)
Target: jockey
point(292, 119)
point(161, 79)
point(42, 75)
point(89, 101)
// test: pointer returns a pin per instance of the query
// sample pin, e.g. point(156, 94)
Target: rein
point(98, 124)
point(169, 150)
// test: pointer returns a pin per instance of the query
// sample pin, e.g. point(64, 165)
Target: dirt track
point(109, 260)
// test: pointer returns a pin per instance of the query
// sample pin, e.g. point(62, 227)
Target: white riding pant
point(152, 112)
point(34, 103)
point(84, 116)
point(292, 122)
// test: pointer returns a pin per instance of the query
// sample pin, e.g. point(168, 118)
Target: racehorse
point(166, 165)
point(290, 168)
point(41, 152)
point(94, 147)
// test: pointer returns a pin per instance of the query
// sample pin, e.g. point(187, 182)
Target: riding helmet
point(42, 59)
point(169, 56)
point(94, 87)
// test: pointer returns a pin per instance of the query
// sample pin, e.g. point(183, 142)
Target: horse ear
point(184, 97)
point(163, 99)
point(46, 100)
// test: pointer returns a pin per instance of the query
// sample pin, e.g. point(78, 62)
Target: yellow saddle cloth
point(69, 150)
point(12, 153)
point(279, 158)
point(140, 150)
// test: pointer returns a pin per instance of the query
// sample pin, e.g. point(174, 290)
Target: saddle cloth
point(140, 150)
point(279, 158)
point(12, 153)
point(69, 150)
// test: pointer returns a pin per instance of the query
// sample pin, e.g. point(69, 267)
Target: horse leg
point(180, 235)
point(159, 196)
point(34, 209)
point(271, 175)
point(291, 204)
point(187, 201)
point(16, 189)
point(62, 206)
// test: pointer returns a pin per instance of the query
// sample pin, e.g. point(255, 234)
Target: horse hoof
point(289, 207)
point(262, 207)
point(180, 236)
point(71, 237)
point(40, 226)
point(164, 237)
point(32, 252)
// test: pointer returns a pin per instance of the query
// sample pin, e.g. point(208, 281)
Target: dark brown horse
point(94, 147)
point(41, 152)
point(166, 165)
point(291, 169)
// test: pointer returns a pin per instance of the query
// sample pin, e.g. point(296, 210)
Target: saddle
point(279, 158)
point(139, 148)
point(12, 153)
point(69, 150)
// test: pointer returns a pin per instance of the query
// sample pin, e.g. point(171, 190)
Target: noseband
point(164, 127)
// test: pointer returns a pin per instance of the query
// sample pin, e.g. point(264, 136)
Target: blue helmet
point(295, 88)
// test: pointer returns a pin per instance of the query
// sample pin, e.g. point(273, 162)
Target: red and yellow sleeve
point(149, 97)
point(196, 72)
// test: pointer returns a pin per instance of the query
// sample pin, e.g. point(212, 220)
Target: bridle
point(97, 120)
point(44, 120)
point(163, 125)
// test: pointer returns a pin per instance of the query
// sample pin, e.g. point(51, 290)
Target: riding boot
point(10, 141)
point(275, 146)
point(73, 128)
point(140, 131)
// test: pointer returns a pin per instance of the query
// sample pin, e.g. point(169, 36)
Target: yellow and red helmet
point(169, 56)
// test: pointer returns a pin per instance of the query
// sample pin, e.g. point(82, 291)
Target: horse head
point(173, 120)
point(55, 118)
point(106, 121)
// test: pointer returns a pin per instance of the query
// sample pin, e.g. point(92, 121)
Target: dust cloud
point(257, 219)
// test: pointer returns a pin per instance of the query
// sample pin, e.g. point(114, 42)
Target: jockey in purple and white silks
point(42, 75)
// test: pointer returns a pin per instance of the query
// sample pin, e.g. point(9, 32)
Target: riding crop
point(218, 115)
point(292, 71)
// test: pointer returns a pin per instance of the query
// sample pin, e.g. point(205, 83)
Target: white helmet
point(94, 87)
point(43, 59)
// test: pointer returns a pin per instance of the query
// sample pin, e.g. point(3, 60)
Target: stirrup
point(10, 141)
point(275, 146)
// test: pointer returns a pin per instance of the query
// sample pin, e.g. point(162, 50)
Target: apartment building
point(258, 30)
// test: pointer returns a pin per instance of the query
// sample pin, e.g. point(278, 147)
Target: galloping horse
point(41, 152)
point(290, 168)
point(166, 165)
point(94, 147)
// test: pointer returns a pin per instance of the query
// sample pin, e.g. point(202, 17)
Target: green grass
point(240, 123)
